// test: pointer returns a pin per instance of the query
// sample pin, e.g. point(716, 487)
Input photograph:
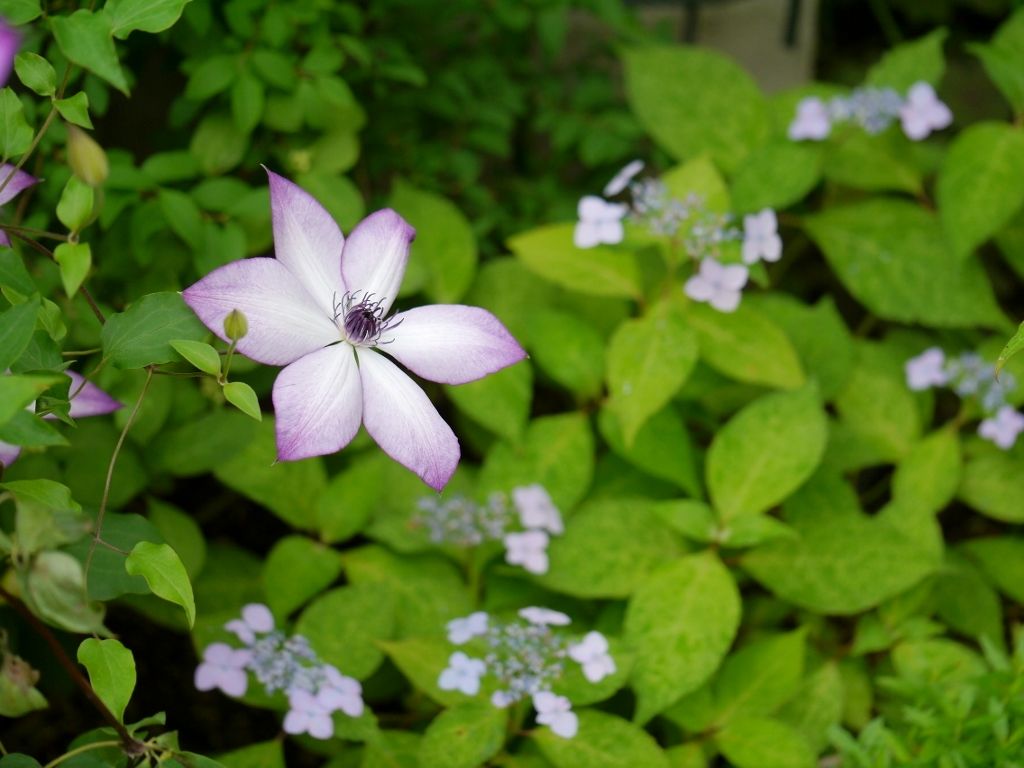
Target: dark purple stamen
point(364, 318)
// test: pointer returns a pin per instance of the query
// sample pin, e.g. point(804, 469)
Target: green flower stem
point(12, 228)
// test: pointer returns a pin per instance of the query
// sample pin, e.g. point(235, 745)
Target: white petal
point(771, 248)
point(234, 682)
point(296, 722)
point(726, 300)
point(258, 617)
point(375, 256)
point(8, 453)
point(611, 232)
point(565, 725)
point(699, 289)
point(285, 322)
point(591, 208)
point(320, 727)
point(734, 277)
point(451, 343)
point(403, 421)
point(207, 677)
point(621, 179)
point(307, 241)
point(318, 403)
point(587, 234)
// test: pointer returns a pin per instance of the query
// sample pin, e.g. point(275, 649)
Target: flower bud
point(235, 325)
point(87, 159)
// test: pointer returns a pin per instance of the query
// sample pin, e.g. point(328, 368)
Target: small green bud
point(87, 159)
point(235, 325)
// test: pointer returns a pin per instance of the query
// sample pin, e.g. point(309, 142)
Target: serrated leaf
point(165, 574)
point(111, 669)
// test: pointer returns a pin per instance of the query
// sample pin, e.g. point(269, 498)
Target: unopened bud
point(87, 159)
point(235, 325)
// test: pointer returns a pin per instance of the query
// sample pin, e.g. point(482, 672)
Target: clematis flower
point(544, 616)
point(600, 222)
point(86, 400)
point(463, 630)
point(923, 112)
point(462, 674)
point(1003, 428)
point(10, 41)
point(223, 667)
point(761, 237)
point(308, 714)
point(718, 284)
point(927, 370)
point(528, 549)
point(592, 654)
point(321, 309)
point(812, 120)
point(536, 509)
point(621, 179)
point(256, 619)
point(21, 180)
point(556, 713)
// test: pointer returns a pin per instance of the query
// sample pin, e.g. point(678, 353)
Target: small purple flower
point(1003, 428)
point(592, 654)
point(341, 692)
point(528, 549)
point(321, 309)
point(536, 509)
point(927, 370)
point(811, 122)
point(544, 617)
point(86, 400)
point(462, 674)
point(600, 222)
point(465, 629)
point(621, 179)
point(718, 284)
point(256, 620)
point(923, 112)
point(556, 713)
point(308, 714)
point(223, 667)
point(761, 237)
point(10, 41)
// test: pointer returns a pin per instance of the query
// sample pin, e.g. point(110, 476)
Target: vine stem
point(128, 742)
point(110, 475)
point(79, 750)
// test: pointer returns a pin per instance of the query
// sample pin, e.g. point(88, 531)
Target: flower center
point(363, 319)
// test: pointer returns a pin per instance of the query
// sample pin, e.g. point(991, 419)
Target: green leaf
point(1003, 59)
point(867, 560)
point(500, 402)
point(15, 133)
point(421, 660)
point(761, 742)
point(111, 669)
point(568, 349)
point(649, 359)
point(295, 570)
point(662, 447)
point(392, 749)
point(244, 398)
point(465, 736)
point(36, 73)
point(54, 588)
point(75, 206)
point(760, 677)
point(218, 145)
point(165, 574)
point(144, 15)
point(182, 215)
point(766, 452)
point(745, 346)
point(602, 741)
point(75, 109)
point(966, 602)
point(978, 188)
point(698, 176)
point(263, 754)
point(75, 261)
point(200, 354)
point(680, 622)
point(911, 62)
point(816, 707)
point(1013, 346)
point(108, 578)
point(892, 256)
point(182, 532)
point(694, 100)
point(991, 485)
point(247, 99)
point(583, 565)
point(776, 175)
point(601, 271)
point(874, 163)
point(18, 12)
point(289, 489)
point(16, 392)
point(211, 76)
point(17, 324)
point(928, 476)
point(142, 334)
point(45, 514)
point(86, 38)
point(1002, 559)
point(345, 625)
point(557, 452)
point(444, 242)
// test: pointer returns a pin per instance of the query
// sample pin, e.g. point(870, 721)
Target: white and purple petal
point(18, 183)
point(375, 255)
point(403, 421)
point(318, 403)
point(451, 343)
point(10, 41)
point(87, 399)
point(8, 453)
point(285, 322)
point(307, 241)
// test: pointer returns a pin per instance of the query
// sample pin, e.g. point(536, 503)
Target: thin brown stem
point(34, 232)
point(32, 147)
point(130, 744)
point(110, 474)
